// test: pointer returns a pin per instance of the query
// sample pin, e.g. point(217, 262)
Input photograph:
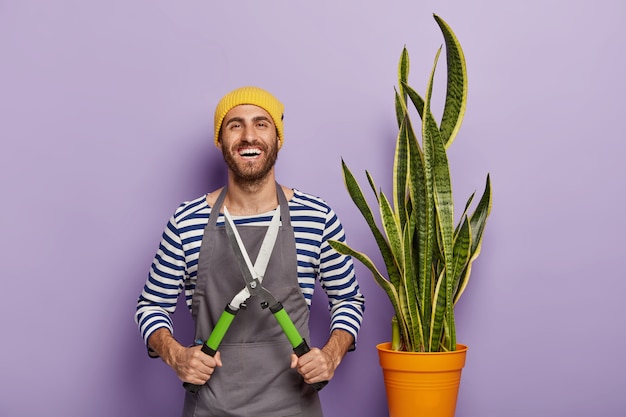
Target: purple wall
point(106, 121)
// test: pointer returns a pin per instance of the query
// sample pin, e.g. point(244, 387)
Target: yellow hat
point(255, 96)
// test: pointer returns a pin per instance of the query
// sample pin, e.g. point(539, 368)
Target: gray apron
point(256, 379)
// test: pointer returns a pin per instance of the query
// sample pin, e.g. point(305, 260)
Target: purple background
point(106, 114)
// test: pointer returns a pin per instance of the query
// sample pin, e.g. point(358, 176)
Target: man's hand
point(190, 363)
point(194, 366)
point(314, 366)
point(320, 364)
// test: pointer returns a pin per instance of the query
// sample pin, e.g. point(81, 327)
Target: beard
point(253, 172)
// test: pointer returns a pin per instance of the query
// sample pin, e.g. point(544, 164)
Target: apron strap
point(215, 210)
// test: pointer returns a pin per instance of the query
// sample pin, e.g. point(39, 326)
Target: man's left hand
point(314, 366)
point(320, 364)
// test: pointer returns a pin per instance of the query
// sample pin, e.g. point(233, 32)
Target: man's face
point(249, 143)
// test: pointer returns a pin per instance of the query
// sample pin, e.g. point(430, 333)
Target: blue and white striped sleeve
point(338, 280)
point(164, 283)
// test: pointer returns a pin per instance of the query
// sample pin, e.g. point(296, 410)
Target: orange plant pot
point(421, 384)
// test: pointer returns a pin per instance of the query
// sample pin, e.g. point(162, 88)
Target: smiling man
point(252, 370)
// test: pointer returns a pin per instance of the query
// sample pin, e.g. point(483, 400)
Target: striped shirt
point(175, 265)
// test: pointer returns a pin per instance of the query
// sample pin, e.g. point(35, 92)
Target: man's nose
point(249, 132)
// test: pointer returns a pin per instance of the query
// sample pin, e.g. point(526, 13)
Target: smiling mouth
point(249, 152)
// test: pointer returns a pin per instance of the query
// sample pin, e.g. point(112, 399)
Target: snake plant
point(428, 259)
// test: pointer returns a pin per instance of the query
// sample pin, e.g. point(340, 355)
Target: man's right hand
point(194, 366)
point(190, 363)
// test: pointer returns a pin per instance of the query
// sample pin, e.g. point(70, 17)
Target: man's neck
point(250, 199)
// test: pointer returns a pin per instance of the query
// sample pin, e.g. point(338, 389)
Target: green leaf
point(478, 220)
point(372, 184)
point(400, 170)
point(403, 74)
point(422, 213)
point(456, 91)
point(411, 288)
point(442, 195)
point(467, 206)
point(416, 99)
point(392, 230)
point(438, 315)
point(461, 253)
point(359, 200)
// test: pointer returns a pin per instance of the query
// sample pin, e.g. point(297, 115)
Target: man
point(254, 371)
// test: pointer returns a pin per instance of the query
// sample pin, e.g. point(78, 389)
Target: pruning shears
point(253, 276)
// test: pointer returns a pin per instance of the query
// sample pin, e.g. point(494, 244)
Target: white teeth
point(250, 152)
